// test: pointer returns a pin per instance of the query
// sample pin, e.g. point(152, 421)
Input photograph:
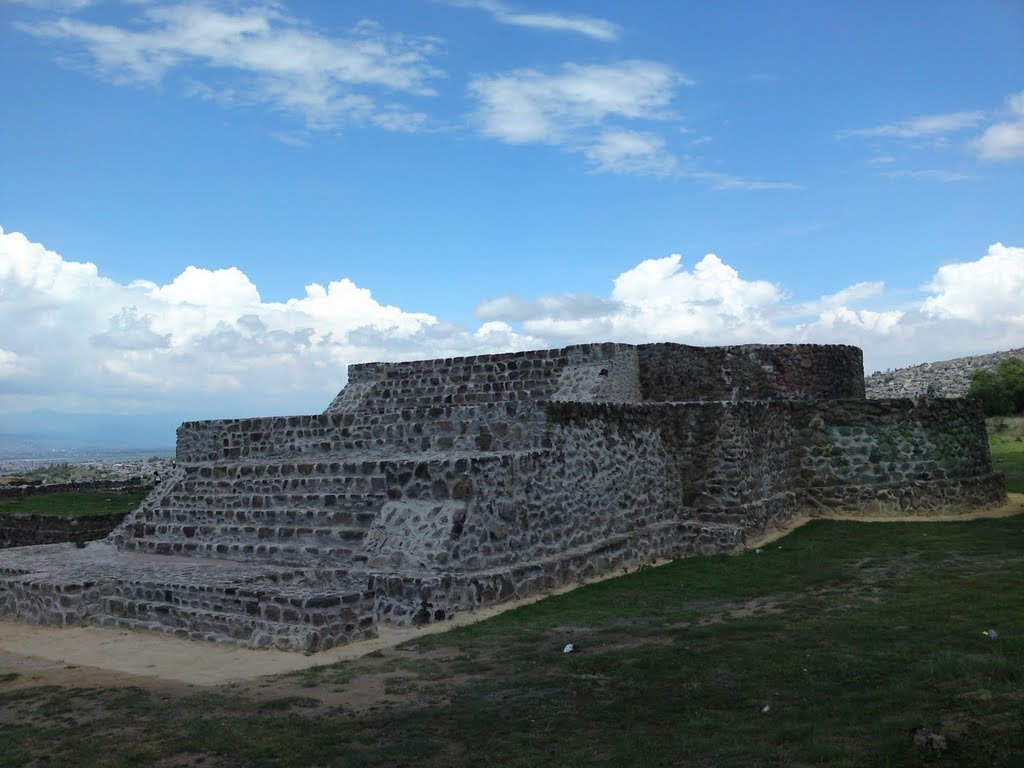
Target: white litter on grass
point(765, 709)
point(991, 634)
point(569, 648)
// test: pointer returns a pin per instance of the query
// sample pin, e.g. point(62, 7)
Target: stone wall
point(610, 373)
point(676, 372)
point(18, 530)
point(897, 456)
point(510, 425)
point(623, 472)
point(535, 375)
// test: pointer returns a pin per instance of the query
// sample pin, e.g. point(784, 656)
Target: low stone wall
point(897, 456)
point(491, 427)
point(543, 374)
point(677, 372)
point(611, 373)
point(404, 599)
point(26, 530)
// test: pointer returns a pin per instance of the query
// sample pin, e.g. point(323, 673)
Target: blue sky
point(211, 208)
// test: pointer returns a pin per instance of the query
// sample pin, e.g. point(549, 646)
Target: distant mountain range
point(947, 378)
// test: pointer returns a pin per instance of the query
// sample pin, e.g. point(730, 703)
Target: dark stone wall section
point(676, 372)
point(667, 372)
point(484, 427)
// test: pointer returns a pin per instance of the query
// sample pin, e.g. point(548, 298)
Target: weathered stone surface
point(432, 487)
point(948, 378)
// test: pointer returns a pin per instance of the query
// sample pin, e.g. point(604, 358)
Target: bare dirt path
point(93, 657)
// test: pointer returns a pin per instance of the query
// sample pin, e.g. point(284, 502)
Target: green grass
point(1008, 458)
point(1006, 442)
point(851, 634)
point(75, 503)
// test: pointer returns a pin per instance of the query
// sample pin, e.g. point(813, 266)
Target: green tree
point(1001, 392)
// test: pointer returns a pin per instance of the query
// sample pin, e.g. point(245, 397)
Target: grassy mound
point(75, 503)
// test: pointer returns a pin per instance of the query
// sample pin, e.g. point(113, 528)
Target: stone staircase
point(218, 600)
point(290, 543)
point(258, 614)
point(275, 513)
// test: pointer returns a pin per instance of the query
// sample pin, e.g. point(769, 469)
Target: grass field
point(825, 649)
point(75, 503)
point(1006, 441)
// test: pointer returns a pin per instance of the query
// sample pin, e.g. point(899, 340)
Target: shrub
point(1001, 392)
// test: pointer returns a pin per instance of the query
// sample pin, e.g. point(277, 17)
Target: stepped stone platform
point(438, 486)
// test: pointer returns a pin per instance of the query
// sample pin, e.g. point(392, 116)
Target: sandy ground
point(91, 656)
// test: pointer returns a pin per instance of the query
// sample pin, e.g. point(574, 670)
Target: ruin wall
point(485, 427)
point(620, 469)
point(545, 374)
point(678, 372)
point(611, 373)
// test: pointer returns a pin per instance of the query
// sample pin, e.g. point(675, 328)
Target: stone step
point(358, 469)
point(296, 534)
point(359, 517)
point(355, 467)
point(259, 598)
point(449, 397)
point(723, 517)
point(243, 498)
point(277, 484)
point(268, 551)
point(312, 628)
point(435, 442)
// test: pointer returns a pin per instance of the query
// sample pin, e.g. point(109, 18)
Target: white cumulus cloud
point(990, 289)
point(76, 340)
point(967, 308)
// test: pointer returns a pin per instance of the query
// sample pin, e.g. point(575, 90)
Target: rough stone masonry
point(438, 486)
